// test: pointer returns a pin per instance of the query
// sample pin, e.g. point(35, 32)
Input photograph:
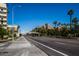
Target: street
point(20, 47)
point(40, 46)
point(55, 46)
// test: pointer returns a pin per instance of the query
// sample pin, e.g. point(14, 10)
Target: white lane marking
point(60, 43)
point(51, 48)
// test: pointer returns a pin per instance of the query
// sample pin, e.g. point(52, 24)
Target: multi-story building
point(13, 29)
point(3, 15)
point(3, 21)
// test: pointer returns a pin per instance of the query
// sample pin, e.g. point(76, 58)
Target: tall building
point(3, 15)
point(3, 21)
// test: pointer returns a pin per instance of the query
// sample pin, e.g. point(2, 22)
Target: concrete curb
point(42, 53)
point(3, 44)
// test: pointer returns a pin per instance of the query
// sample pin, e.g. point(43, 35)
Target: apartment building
point(3, 15)
point(13, 29)
point(4, 24)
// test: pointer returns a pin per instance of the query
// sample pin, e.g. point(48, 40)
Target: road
point(20, 47)
point(40, 46)
point(55, 46)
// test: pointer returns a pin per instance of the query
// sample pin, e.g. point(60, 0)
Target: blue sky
point(30, 15)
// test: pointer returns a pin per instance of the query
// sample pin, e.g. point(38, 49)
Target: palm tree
point(70, 13)
point(55, 23)
point(59, 24)
point(46, 26)
point(75, 21)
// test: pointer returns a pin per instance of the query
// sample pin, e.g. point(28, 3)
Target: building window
point(1, 10)
point(0, 18)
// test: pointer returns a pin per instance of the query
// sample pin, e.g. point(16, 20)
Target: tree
point(70, 13)
point(58, 24)
point(46, 26)
point(65, 25)
point(55, 23)
point(3, 32)
point(75, 21)
point(64, 32)
point(50, 32)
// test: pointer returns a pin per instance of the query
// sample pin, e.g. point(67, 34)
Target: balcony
point(5, 27)
point(4, 19)
point(3, 14)
point(3, 8)
point(0, 23)
point(4, 23)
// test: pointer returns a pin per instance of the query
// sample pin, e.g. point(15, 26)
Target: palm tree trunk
point(55, 25)
point(2, 37)
point(75, 26)
point(70, 22)
point(75, 29)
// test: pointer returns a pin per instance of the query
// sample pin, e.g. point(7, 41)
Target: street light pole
point(13, 22)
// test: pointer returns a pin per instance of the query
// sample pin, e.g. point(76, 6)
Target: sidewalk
point(22, 47)
point(2, 44)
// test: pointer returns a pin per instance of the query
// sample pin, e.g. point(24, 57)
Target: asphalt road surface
point(40, 46)
point(55, 46)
